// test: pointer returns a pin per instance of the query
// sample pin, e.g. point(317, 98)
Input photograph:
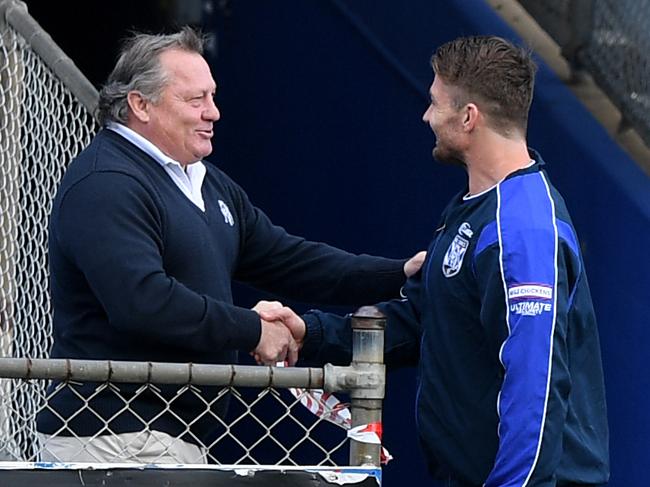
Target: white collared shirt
point(189, 181)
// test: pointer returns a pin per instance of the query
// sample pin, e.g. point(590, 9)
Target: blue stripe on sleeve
point(528, 252)
point(490, 236)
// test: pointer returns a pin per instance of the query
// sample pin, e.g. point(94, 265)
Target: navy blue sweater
point(138, 272)
point(501, 322)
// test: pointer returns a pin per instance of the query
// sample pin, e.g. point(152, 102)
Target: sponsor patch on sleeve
point(530, 299)
point(530, 308)
point(530, 291)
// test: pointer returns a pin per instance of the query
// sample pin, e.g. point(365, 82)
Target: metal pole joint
point(361, 380)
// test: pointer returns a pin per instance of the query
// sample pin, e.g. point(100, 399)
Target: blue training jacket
point(501, 321)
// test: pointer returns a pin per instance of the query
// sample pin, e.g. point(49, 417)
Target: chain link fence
point(286, 420)
point(43, 125)
point(609, 38)
point(250, 424)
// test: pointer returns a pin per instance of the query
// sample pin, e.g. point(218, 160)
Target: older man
point(145, 238)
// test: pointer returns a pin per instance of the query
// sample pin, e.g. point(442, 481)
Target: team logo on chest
point(225, 211)
point(453, 260)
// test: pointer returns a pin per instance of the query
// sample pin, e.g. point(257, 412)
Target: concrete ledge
point(125, 475)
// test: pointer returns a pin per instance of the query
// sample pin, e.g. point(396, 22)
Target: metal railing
point(266, 426)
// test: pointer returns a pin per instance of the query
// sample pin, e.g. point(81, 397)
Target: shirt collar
point(143, 143)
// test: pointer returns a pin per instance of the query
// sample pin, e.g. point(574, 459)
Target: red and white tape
point(328, 407)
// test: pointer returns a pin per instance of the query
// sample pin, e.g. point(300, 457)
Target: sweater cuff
point(246, 335)
point(313, 335)
point(393, 280)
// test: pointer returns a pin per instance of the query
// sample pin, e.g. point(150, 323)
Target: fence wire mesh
point(261, 426)
point(618, 54)
point(610, 38)
point(42, 127)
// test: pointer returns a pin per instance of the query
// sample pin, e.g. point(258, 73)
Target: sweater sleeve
point(109, 226)
point(314, 272)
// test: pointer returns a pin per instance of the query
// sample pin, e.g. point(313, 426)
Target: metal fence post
point(368, 325)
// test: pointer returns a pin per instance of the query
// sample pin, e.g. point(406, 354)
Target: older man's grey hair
point(138, 69)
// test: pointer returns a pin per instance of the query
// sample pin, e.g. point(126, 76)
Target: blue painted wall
point(321, 103)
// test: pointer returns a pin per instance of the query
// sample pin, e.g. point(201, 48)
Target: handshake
point(283, 332)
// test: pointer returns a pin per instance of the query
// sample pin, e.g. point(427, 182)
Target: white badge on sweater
point(227, 216)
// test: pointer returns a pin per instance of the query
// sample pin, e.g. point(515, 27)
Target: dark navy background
point(321, 104)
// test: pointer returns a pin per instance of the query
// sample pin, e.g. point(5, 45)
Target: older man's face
point(180, 123)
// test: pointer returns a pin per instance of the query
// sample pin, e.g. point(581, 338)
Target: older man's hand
point(283, 332)
point(275, 311)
